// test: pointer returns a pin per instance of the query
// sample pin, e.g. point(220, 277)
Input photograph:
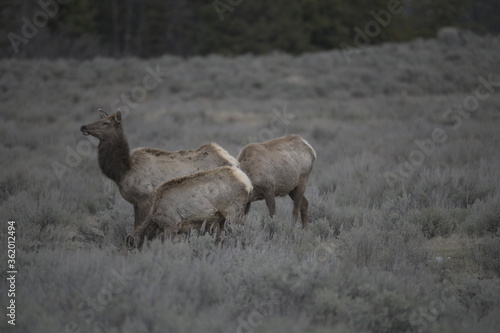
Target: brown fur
point(114, 157)
point(138, 172)
point(184, 203)
point(279, 167)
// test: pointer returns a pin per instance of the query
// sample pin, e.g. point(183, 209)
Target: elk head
point(104, 128)
point(134, 242)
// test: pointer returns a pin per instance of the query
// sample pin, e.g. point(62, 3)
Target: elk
point(138, 172)
point(279, 167)
point(183, 203)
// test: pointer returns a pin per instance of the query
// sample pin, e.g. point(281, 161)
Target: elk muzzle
point(84, 130)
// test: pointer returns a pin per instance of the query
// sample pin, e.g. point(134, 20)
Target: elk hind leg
point(220, 233)
point(297, 195)
point(303, 212)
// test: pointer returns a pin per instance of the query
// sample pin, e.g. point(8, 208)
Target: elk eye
point(106, 124)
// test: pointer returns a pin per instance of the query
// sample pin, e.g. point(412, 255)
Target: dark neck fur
point(114, 157)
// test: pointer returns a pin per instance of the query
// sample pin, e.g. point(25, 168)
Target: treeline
point(149, 28)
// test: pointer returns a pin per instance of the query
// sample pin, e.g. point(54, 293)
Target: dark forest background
point(149, 28)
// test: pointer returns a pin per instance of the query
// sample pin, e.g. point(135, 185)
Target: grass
point(416, 255)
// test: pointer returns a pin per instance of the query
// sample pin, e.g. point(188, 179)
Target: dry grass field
point(404, 231)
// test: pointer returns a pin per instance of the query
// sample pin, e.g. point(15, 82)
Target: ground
point(404, 194)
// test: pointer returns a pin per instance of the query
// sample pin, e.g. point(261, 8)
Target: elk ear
point(130, 242)
point(102, 113)
point(118, 117)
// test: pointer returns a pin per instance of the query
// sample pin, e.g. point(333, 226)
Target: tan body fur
point(183, 203)
point(279, 167)
point(139, 172)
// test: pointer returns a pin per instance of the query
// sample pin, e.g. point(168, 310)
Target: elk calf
point(138, 172)
point(279, 167)
point(214, 196)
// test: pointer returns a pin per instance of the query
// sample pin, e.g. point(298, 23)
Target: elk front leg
point(145, 231)
point(247, 207)
point(136, 217)
point(270, 201)
point(169, 233)
point(236, 213)
point(141, 212)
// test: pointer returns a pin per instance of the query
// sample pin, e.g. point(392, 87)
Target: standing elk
point(279, 167)
point(178, 205)
point(138, 172)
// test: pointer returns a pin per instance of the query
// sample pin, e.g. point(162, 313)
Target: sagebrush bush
point(380, 243)
point(450, 188)
point(433, 221)
point(484, 218)
point(339, 217)
point(486, 254)
point(13, 181)
point(36, 218)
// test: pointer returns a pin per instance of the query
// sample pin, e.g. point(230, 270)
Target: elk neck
point(114, 156)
